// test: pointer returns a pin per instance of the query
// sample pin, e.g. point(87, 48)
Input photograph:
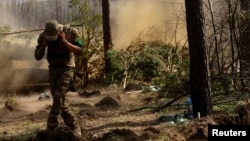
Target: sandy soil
point(107, 115)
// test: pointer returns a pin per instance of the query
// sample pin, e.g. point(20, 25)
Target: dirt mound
point(128, 135)
point(223, 119)
point(88, 114)
point(199, 135)
point(119, 134)
point(244, 113)
point(242, 116)
point(108, 103)
point(87, 94)
point(60, 134)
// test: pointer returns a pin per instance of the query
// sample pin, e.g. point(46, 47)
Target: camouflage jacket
point(58, 55)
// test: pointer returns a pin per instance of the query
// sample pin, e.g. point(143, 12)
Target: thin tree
point(200, 85)
point(107, 41)
point(91, 35)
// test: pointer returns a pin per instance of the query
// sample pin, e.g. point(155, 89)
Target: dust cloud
point(31, 104)
point(147, 20)
point(17, 63)
point(130, 20)
point(25, 104)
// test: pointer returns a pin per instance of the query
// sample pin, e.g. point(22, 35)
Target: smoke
point(31, 104)
point(18, 66)
point(148, 20)
point(130, 20)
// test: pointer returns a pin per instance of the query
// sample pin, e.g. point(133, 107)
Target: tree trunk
point(200, 85)
point(107, 41)
point(245, 39)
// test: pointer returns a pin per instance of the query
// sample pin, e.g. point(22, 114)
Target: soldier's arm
point(41, 47)
point(76, 49)
point(73, 47)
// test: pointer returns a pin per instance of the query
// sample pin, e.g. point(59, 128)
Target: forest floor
point(109, 114)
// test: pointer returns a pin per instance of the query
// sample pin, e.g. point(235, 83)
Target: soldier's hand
point(62, 35)
point(45, 42)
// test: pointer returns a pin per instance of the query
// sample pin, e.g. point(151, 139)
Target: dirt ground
point(104, 114)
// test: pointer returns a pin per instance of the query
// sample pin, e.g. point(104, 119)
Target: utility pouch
point(75, 83)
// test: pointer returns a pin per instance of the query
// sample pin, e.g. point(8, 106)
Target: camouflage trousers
point(59, 81)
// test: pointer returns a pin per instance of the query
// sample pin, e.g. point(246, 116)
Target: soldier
point(62, 44)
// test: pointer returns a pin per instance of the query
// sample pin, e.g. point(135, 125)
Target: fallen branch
point(141, 108)
point(18, 32)
point(157, 109)
point(24, 31)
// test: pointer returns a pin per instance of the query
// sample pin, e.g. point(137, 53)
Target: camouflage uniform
point(61, 71)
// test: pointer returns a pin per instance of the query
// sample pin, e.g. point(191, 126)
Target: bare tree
point(200, 85)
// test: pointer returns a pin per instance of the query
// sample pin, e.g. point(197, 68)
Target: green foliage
point(221, 86)
point(151, 61)
point(154, 62)
point(116, 69)
point(229, 108)
point(91, 34)
point(177, 77)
